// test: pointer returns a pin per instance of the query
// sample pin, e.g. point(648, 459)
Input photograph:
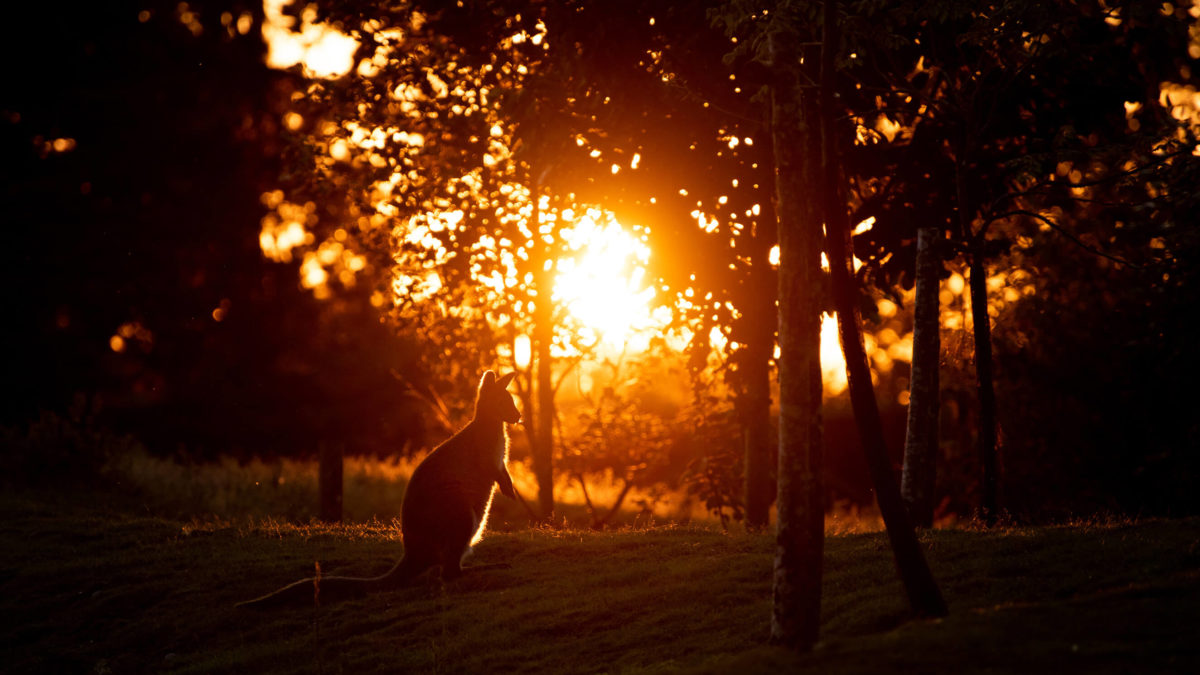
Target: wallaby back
point(445, 506)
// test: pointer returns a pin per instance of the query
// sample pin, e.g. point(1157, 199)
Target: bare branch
point(1061, 230)
point(571, 365)
point(587, 498)
point(627, 484)
point(1042, 185)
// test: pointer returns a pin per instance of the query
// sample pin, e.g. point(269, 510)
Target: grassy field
point(90, 588)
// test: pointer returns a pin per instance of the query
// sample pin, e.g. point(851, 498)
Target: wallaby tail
point(314, 590)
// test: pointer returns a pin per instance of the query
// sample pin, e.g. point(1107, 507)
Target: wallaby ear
point(504, 381)
point(488, 379)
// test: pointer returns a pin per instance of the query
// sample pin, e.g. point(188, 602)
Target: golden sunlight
point(323, 51)
point(833, 364)
point(603, 285)
point(522, 351)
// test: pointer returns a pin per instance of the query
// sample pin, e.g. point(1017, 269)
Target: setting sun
point(603, 285)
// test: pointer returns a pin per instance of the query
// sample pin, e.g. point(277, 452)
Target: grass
point(227, 489)
point(97, 584)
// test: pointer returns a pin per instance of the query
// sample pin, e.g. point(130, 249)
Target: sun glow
point(833, 364)
point(323, 50)
point(603, 286)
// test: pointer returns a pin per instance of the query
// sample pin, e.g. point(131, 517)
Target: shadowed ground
point(112, 590)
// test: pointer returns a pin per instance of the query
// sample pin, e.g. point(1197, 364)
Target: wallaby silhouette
point(445, 506)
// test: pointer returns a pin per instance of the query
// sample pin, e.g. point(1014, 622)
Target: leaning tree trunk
point(977, 273)
point(924, 404)
point(987, 392)
point(800, 535)
point(756, 395)
point(923, 593)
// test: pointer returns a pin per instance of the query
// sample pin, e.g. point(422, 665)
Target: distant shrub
point(715, 475)
point(58, 450)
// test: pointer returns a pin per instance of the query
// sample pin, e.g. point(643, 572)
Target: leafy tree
point(598, 85)
point(992, 101)
point(421, 193)
point(139, 278)
point(625, 435)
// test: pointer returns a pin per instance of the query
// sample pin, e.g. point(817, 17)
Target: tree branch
point(626, 485)
point(1061, 230)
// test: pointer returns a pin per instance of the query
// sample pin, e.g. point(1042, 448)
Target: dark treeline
point(134, 154)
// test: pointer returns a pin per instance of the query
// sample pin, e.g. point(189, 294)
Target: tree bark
point(543, 336)
point(919, 474)
point(330, 482)
point(977, 273)
point(800, 534)
point(756, 396)
point(987, 392)
point(923, 593)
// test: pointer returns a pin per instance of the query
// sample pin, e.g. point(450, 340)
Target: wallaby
point(445, 507)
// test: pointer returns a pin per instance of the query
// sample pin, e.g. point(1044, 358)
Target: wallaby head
point(492, 402)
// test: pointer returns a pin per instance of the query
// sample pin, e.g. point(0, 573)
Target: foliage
point(714, 475)
point(133, 179)
point(467, 151)
point(1085, 429)
point(992, 124)
point(139, 282)
point(619, 437)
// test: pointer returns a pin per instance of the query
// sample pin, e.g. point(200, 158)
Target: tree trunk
point(329, 481)
point(543, 460)
point(919, 475)
point(800, 530)
point(987, 391)
point(756, 396)
point(977, 273)
point(923, 593)
point(543, 336)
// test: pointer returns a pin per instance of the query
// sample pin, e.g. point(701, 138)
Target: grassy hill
point(86, 588)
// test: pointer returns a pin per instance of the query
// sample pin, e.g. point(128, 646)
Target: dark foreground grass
point(94, 590)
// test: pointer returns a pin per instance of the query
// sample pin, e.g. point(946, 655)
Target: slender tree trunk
point(989, 502)
point(544, 458)
point(987, 391)
point(329, 481)
point(924, 402)
point(756, 397)
point(923, 593)
point(800, 534)
point(543, 336)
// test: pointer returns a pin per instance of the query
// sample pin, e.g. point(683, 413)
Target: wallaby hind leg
point(460, 525)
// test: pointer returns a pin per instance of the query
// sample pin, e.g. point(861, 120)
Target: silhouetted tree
point(800, 533)
point(919, 476)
